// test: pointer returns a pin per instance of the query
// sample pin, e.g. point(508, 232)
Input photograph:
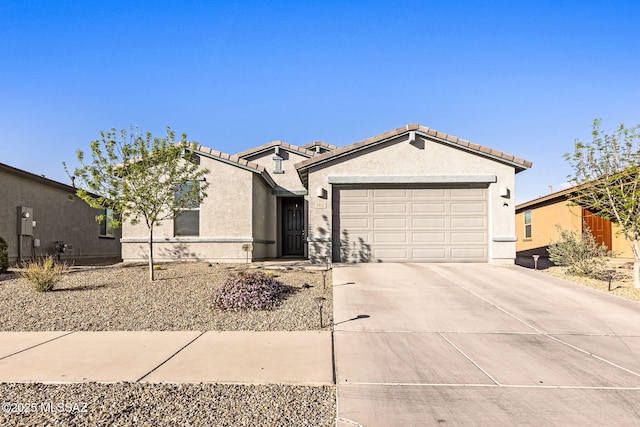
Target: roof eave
point(518, 164)
point(251, 167)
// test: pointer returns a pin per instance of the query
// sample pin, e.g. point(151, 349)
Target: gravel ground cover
point(621, 285)
point(142, 404)
point(121, 298)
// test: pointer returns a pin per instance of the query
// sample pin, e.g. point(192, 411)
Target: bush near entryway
point(248, 290)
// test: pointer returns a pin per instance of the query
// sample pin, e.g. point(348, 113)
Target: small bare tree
point(606, 175)
point(140, 178)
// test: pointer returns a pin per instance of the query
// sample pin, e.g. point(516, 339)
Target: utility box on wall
point(25, 221)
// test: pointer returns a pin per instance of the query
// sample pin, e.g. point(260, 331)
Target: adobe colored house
point(536, 222)
point(37, 212)
point(409, 195)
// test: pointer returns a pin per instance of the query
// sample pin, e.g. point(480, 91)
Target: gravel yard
point(621, 285)
point(121, 298)
point(143, 404)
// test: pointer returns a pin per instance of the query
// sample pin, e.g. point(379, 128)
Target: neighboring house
point(537, 224)
point(409, 195)
point(36, 213)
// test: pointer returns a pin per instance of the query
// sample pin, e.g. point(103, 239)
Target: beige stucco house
point(39, 216)
point(409, 195)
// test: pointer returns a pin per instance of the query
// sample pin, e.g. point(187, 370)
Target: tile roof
point(235, 160)
point(277, 143)
point(518, 163)
point(313, 144)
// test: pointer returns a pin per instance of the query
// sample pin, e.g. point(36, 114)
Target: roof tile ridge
point(233, 158)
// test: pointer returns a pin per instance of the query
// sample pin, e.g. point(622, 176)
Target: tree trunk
point(151, 273)
point(636, 273)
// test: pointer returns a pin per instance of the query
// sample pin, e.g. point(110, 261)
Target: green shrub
point(248, 290)
point(4, 256)
point(43, 273)
point(580, 253)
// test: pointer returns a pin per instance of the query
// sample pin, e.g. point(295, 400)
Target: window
point(105, 229)
point(187, 222)
point(527, 224)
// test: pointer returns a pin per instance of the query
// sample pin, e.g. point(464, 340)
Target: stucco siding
point(264, 220)
point(288, 179)
point(225, 222)
point(59, 216)
point(400, 158)
point(544, 223)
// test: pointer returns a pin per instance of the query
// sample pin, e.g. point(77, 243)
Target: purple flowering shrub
point(251, 290)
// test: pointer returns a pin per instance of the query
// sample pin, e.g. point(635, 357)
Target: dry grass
point(621, 283)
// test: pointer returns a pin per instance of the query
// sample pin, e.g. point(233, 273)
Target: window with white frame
point(527, 224)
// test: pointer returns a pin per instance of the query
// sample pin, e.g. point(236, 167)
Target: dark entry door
point(293, 226)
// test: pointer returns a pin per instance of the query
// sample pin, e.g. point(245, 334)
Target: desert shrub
point(580, 253)
point(4, 256)
point(248, 290)
point(43, 273)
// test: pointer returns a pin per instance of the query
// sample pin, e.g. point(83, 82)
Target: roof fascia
point(43, 180)
point(331, 156)
point(549, 199)
point(250, 153)
point(518, 167)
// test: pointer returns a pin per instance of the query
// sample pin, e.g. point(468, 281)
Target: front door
point(600, 228)
point(293, 226)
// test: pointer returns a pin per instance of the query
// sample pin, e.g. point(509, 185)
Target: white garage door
point(410, 224)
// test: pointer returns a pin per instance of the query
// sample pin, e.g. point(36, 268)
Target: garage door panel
point(390, 223)
point(355, 194)
point(468, 193)
point(356, 223)
point(459, 254)
point(467, 237)
point(423, 208)
point(411, 224)
point(390, 254)
point(384, 208)
point(426, 222)
point(467, 207)
point(393, 193)
point(354, 208)
point(468, 222)
point(429, 254)
point(390, 237)
point(428, 193)
point(353, 235)
point(429, 237)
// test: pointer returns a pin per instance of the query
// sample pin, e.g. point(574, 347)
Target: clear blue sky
point(524, 77)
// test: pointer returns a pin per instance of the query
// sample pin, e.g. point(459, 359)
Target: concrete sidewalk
point(299, 357)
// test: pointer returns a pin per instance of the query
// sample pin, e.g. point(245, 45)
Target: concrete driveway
point(477, 344)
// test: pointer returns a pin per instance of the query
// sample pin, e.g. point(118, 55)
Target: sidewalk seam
point(37, 345)
point(169, 358)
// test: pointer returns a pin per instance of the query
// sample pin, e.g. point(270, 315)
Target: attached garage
point(411, 195)
point(410, 223)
